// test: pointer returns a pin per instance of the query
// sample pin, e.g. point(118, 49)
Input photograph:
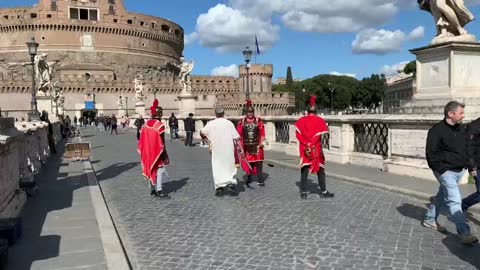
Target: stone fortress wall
point(101, 52)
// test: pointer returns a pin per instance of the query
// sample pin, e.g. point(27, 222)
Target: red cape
point(151, 147)
point(260, 156)
point(309, 131)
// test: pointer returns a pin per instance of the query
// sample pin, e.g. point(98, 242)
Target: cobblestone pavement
point(265, 227)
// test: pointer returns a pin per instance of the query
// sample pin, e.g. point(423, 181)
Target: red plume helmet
point(312, 101)
point(248, 103)
point(153, 109)
point(312, 106)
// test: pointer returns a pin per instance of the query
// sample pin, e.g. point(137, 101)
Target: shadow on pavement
point(54, 194)
point(114, 170)
point(174, 186)
point(468, 254)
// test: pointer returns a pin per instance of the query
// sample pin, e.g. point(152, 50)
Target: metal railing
point(282, 132)
point(371, 138)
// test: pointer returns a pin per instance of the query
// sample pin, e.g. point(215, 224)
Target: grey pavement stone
point(362, 228)
point(60, 228)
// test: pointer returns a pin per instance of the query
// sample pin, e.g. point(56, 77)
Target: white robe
point(221, 133)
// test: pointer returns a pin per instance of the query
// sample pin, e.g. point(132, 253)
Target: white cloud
point(190, 38)
point(343, 74)
point(390, 70)
point(324, 16)
point(383, 41)
point(230, 30)
point(417, 33)
point(231, 70)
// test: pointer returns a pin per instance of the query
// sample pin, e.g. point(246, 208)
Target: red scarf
point(151, 148)
point(309, 131)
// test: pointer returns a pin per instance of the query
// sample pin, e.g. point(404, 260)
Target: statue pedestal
point(445, 72)
point(45, 103)
point(140, 108)
point(186, 104)
point(120, 112)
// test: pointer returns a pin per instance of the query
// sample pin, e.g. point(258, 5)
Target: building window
point(129, 21)
point(111, 2)
point(115, 20)
point(5, 17)
point(53, 5)
point(84, 14)
point(49, 15)
point(33, 15)
point(87, 76)
point(153, 25)
point(165, 28)
point(111, 10)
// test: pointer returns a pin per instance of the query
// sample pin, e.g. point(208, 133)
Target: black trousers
point(304, 179)
point(259, 167)
point(189, 138)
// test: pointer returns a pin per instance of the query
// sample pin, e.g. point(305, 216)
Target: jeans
point(474, 198)
point(174, 133)
point(304, 179)
point(189, 139)
point(449, 196)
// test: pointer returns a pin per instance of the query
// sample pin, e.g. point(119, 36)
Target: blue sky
point(312, 36)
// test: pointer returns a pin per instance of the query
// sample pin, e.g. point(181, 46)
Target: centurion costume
point(252, 137)
point(151, 147)
point(309, 131)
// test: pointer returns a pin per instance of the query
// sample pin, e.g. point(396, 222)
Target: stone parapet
point(391, 143)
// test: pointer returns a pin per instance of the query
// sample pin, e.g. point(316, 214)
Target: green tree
point(289, 78)
point(411, 68)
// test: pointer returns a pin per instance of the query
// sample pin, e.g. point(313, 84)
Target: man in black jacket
point(139, 124)
point(473, 161)
point(173, 123)
point(189, 129)
point(446, 156)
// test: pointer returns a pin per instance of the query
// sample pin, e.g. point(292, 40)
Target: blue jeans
point(174, 133)
point(474, 198)
point(449, 196)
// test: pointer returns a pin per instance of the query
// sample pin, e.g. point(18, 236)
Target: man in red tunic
point(309, 131)
point(252, 136)
point(151, 147)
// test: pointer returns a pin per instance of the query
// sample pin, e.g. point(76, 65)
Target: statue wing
point(35, 65)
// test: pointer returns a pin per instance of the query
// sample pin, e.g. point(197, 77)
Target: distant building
point(399, 89)
point(283, 81)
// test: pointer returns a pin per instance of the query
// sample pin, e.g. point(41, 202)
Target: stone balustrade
point(391, 143)
point(24, 149)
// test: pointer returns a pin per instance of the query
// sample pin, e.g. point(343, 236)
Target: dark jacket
point(139, 123)
point(446, 147)
point(189, 124)
point(173, 122)
point(473, 145)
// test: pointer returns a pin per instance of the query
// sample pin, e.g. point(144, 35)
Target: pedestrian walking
point(189, 126)
point(173, 124)
point(446, 156)
point(473, 162)
point(252, 137)
point(153, 154)
point(309, 132)
point(222, 135)
point(139, 122)
point(114, 124)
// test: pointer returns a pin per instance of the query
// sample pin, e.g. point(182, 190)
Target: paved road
point(263, 228)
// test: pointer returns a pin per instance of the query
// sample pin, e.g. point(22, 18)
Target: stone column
point(186, 104)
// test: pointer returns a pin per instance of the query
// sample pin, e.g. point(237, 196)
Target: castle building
point(96, 49)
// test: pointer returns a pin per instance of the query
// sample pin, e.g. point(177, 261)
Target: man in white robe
point(222, 135)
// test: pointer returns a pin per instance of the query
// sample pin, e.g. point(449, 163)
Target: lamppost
point(126, 106)
point(331, 96)
point(247, 55)
point(33, 115)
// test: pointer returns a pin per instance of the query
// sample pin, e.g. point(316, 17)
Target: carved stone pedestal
point(45, 103)
point(186, 104)
point(444, 72)
point(140, 108)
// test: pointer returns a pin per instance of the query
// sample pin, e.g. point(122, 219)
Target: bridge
point(98, 214)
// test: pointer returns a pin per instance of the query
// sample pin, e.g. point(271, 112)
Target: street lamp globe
point(32, 47)
point(247, 55)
